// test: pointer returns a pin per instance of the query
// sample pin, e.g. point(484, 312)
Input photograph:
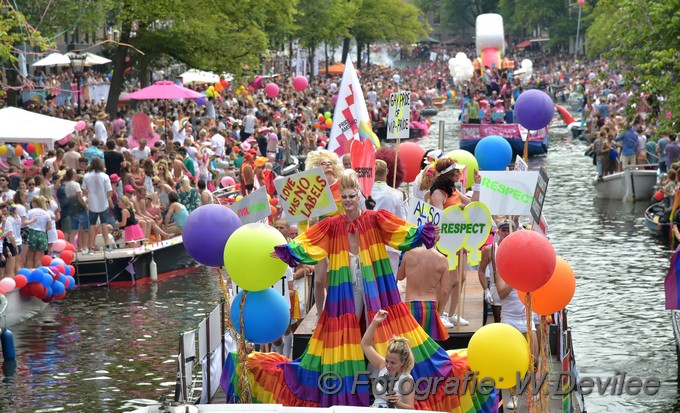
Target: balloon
point(581, 3)
point(218, 87)
point(412, 155)
point(266, 315)
point(526, 260)
point(72, 282)
point(327, 115)
point(59, 245)
point(58, 288)
point(57, 262)
point(65, 140)
point(36, 276)
point(206, 232)
point(493, 153)
point(534, 109)
point(466, 158)
point(257, 84)
point(238, 198)
point(46, 280)
point(19, 151)
point(60, 234)
point(70, 247)
point(65, 280)
point(502, 363)
point(20, 280)
point(25, 272)
point(38, 290)
point(80, 125)
point(61, 269)
point(247, 257)
point(227, 181)
point(556, 293)
point(46, 260)
point(329, 123)
point(200, 101)
point(30, 148)
point(72, 270)
point(321, 119)
point(3, 150)
point(59, 296)
point(272, 90)
point(300, 83)
point(8, 284)
point(67, 256)
point(224, 83)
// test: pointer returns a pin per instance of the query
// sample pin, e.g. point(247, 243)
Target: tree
point(457, 14)
point(639, 39)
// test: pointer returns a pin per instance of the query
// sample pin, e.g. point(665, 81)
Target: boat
point(429, 111)
point(471, 134)
point(19, 308)
point(656, 221)
point(439, 103)
point(125, 267)
point(632, 184)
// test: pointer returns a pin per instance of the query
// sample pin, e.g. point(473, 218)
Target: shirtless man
point(427, 286)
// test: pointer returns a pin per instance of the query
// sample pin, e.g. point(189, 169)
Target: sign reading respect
point(305, 195)
point(466, 228)
point(508, 193)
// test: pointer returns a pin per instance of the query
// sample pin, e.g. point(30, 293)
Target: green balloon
point(327, 115)
point(247, 257)
point(466, 158)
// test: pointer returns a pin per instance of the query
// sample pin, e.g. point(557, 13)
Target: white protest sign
point(541, 227)
point(520, 165)
point(253, 208)
point(465, 228)
point(420, 213)
point(508, 193)
point(399, 115)
point(305, 195)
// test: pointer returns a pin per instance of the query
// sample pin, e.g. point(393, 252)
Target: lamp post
point(78, 61)
point(578, 27)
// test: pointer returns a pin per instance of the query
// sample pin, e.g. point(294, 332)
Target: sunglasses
point(325, 164)
point(350, 196)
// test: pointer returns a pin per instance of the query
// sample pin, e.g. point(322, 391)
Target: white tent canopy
point(22, 126)
point(194, 76)
point(87, 59)
point(53, 59)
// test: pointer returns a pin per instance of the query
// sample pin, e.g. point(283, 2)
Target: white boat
point(18, 309)
point(629, 185)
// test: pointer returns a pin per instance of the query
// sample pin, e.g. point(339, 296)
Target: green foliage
point(640, 38)
point(15, 31)
point(389, 20)
point(53, 17)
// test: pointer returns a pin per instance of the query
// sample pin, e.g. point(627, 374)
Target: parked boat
point(18, 308)
point(656, 221)
point(471, 134)
point(629, 185)
point(126, 267)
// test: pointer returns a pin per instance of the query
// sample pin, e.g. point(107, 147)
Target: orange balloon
point(19, 151)
point(218, 87)
point(556, 293)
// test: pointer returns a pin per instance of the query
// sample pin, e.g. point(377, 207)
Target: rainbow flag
point(672, 285)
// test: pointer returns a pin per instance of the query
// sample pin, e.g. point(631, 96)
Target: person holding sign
point(360, 273)
point(443, 194)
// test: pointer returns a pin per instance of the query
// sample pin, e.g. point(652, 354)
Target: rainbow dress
point(335, 344)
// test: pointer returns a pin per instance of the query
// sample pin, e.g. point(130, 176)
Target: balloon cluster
point(213, 236)
point(461, 68)
point(323, 122)
point(48, 282)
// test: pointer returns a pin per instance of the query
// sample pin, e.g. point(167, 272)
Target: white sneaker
point(454, 320)
point(446, 321)
point(85, 251)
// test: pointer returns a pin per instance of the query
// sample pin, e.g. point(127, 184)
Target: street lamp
point(78, 61)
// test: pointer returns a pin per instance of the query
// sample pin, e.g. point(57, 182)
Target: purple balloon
point(534, 109)
point(206, 231)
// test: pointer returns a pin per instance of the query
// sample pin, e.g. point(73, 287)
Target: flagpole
point(578, 29)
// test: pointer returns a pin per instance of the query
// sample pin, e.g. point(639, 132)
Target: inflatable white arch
point(490, 39)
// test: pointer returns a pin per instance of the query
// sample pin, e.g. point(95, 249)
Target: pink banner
point(477, 132)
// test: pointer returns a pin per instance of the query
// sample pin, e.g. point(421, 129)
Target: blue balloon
point(57, 261)
point(200, 101)
point(47, 280)
point(44, 269)
point(58, 288)
point(49, 293)
point(62, 279)
point(71, 283)
point(25, 272)
point(266, 315)
point(36, 276)
point(67, 270)
point(493, 153)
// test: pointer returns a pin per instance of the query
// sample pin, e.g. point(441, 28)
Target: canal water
point(107, 350)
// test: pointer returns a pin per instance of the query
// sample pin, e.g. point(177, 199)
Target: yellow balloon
point(500, 352)
point(3, 150)
point(247, 257)
point(238, 198)
point(466, 158)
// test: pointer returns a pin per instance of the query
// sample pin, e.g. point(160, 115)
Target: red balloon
point(46, 260)
point(59, 297)
point(30, 148)
point(69, 247)
point(73, 270)
point(224, 83)
point(60, 234)
point(526, 260)
point(274, 201)
point(67, 283)
point(67, 256)
point(61, 269)
point(38, 290)
point(20, 280)
point(25, 291)
point(412, 155)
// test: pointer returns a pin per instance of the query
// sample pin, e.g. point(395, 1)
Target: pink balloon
point(7, 284)
point(65, 140)
point(59, 245)
point(227, 181)
point(257, 84)
point(272, 90)
point(300, 83)
point(80, 125)
point(581, 3)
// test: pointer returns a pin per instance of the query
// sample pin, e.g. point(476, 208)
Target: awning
point(523, 44)
point(22, 126)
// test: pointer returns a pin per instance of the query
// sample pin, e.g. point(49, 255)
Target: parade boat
point(471, 134)
point(654, 219)
point(125, 267)
point(16, 308)
point(633, 184)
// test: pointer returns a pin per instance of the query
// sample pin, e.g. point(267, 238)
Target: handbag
point(612, 154)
